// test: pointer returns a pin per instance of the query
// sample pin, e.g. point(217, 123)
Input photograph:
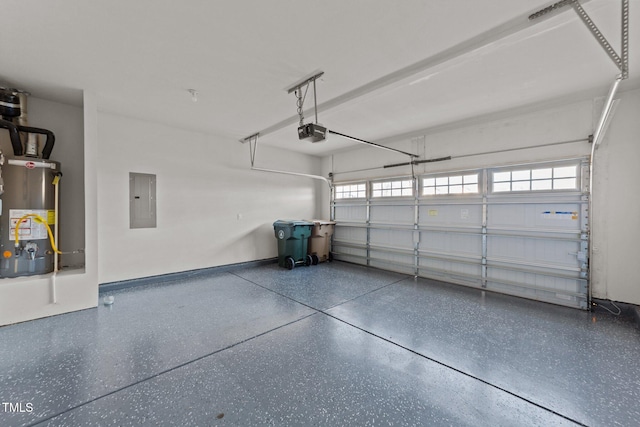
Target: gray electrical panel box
point(142, 200)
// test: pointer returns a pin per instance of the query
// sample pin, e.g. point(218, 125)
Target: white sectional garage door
point(520, 230)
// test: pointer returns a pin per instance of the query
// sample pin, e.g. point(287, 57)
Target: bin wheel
point(308, 261)
point(330, 256)
point(290, 262)
point(314, 259)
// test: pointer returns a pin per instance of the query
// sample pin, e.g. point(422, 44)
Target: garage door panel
point(456, 215)
point(548, 285)
point(560, 287)
point(351, 213)
point(353, 255)
point(452, 271)
point(391, 266)
point(394, 238)
point(350, 234)
point(401, 263)
point(550, 216)
point(451, 243)
point(551, 296)
point(533, 250)
point(563, 217)
point(543, 278)
point(451, 266)
point(394, 214)
point(510, 215)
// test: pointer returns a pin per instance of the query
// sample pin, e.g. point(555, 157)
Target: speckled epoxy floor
point(334, 344)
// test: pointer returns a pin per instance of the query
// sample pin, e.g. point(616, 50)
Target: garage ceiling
point(381, 79)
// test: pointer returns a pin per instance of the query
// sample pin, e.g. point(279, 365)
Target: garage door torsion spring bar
point(418, 162)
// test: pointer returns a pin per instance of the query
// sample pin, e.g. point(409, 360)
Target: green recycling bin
point(293, 238)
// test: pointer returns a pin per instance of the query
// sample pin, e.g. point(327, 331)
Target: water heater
point(28, 187)
point(28, 196)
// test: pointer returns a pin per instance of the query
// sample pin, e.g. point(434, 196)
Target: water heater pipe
point(16, 143)
point(48, 145)
point(23, 118)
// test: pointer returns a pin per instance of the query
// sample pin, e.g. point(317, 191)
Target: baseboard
point(162, 278)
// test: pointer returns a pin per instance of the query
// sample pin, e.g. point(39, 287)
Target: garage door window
point(453, 184)
point(539, 179)
point(398, 188)
point(351, 191)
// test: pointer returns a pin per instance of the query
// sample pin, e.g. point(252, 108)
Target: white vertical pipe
point(55, 227)
point(54, 294)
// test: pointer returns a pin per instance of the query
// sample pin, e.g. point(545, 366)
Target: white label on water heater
point(29, 229)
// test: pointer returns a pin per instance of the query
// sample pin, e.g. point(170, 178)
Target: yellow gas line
point(39, 219)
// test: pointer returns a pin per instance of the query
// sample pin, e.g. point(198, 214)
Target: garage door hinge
point(582, 256)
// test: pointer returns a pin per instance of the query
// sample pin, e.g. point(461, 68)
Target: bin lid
point(322, 222)
point(291, 223)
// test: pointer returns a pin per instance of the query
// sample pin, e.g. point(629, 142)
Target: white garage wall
point(616, 270)
point(211, 208)
point(615, 206)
